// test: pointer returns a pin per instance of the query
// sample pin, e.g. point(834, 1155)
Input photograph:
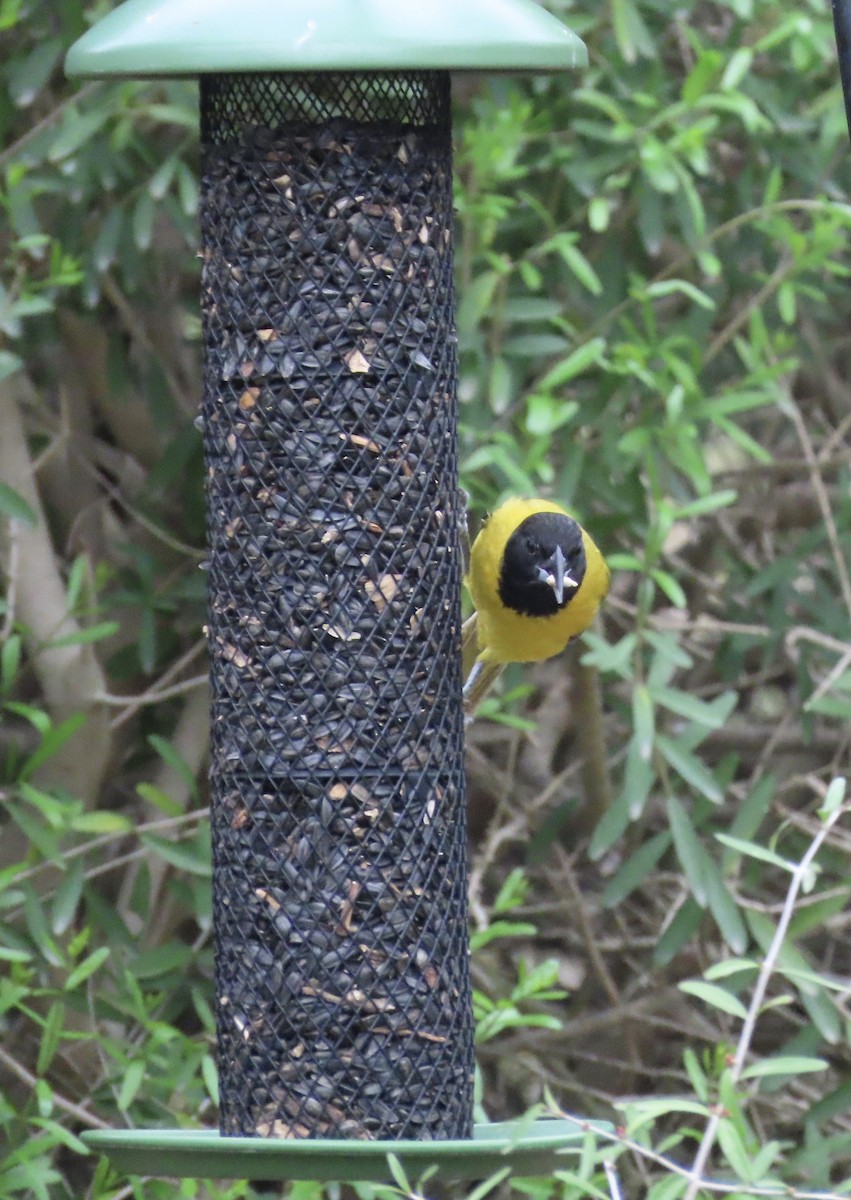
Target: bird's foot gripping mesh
point(337, 773)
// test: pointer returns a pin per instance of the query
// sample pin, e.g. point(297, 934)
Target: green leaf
point(512, 892)
point(684, 926)
point(752, 850)
point(51, 742)
point(83, 637)
point(169, 755)
point(143, 221)
point(28, 75)
point(160, 181)
point(584, 356)
point(131, 1083)
point(738, 66)
point(702, 75)
point(635, 870)
point(398, 1173)
point(12, 954)
point(710, 715)
point(734, 1150)
point(15, 507)
point(501, 929)
point(599, 214)
point(715, 997)
point(578, 1184)
point(753, 810)
point(77, 576)
point(544, 414)
point(633, 37)
point(501, 387)
point(187, 190)
point(834, 797)
point(816, 914)
point(67, 896)
point(724, 908)
point(105, 248)
point(476, 301)
point(532, 308)
point(51, 1036)
point(642, 1112)
point(696, 1074)
point(101, 822)
point(86, 968)
point(565, 245)
point(9, 364)
point(161, 960)
point(638, 779)
point(670, 586)
point(77, 129)
point(669, 287)
point(706, 504)
point(10, 661)
point(788, 1064)
point(643, 720)
point(730, 966)
point(689, 850)
point(610, 827)
point(210, 1075)
point(690, 769)
point(182, 855)
point(487, 1185)
point(61, 1135)
point(159, 799)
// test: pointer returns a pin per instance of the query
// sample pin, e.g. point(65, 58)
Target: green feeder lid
point(192, 37)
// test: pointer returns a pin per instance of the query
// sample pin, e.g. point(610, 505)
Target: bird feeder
point(329, 422)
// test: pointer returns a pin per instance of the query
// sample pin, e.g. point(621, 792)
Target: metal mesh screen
point(337, 737)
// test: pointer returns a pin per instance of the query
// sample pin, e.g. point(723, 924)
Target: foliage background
point(653, 325)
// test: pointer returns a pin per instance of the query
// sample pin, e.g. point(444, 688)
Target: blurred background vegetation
point(654, 329)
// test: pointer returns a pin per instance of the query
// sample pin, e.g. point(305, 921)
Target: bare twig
point(820, 490)
point(161, 689)
point(74, 1110)
point(619, 1138)
point(785, 267)
point(154, 695)
point(800, 873)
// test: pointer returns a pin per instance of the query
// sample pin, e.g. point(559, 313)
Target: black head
point(543, 565)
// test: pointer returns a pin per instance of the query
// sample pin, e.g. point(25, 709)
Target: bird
point(536, 579)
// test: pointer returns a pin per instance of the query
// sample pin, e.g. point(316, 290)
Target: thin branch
point(11, 151)
point(589, 940)
point(160, 690)
point(68, 1106)
point(153, 695)
point(822, 498)
point(644, 1153)
point(800, 873)
point(784, 267)
point(162, 824)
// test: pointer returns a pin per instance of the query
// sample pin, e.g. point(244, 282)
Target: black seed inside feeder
point(337, 739)
point(329, 419)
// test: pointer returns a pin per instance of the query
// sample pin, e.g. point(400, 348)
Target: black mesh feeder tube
point(329, 424)
point(342, 987)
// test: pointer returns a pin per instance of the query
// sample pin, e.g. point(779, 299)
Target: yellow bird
point(536, 579)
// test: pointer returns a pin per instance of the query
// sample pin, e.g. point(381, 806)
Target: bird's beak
point(553, 572)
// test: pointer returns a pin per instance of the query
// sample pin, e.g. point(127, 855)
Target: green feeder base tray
point(529, 1148)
